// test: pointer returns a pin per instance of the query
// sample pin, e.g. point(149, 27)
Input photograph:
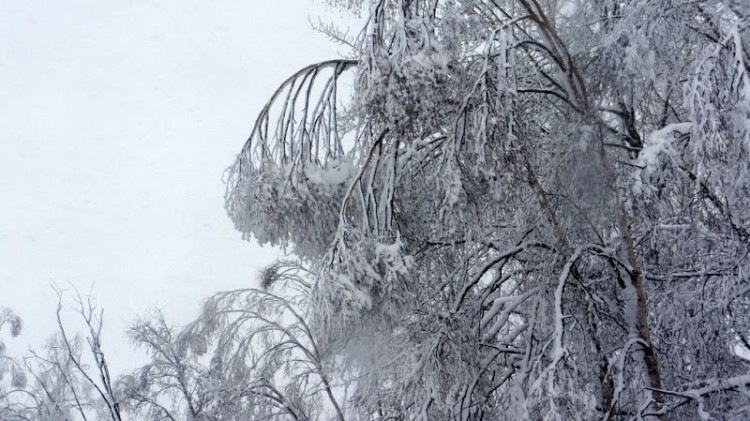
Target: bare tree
point(65, 387)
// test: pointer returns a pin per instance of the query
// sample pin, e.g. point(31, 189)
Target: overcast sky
point(117, 120)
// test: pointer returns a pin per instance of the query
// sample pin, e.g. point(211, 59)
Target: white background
point(117, 120)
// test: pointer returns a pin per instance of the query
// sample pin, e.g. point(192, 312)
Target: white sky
point(117, 120)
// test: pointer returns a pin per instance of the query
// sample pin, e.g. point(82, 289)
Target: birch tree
point(526, 209)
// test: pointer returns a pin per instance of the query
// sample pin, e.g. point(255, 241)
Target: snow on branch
point(301, 155)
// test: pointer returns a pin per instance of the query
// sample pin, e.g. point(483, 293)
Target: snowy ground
point(117, 120)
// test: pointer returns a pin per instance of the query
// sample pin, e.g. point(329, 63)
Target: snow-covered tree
point(266, 360)
point(250, 355)
point(170, 387)
point(527, 209)
point(12, 376)
point(71, 379)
